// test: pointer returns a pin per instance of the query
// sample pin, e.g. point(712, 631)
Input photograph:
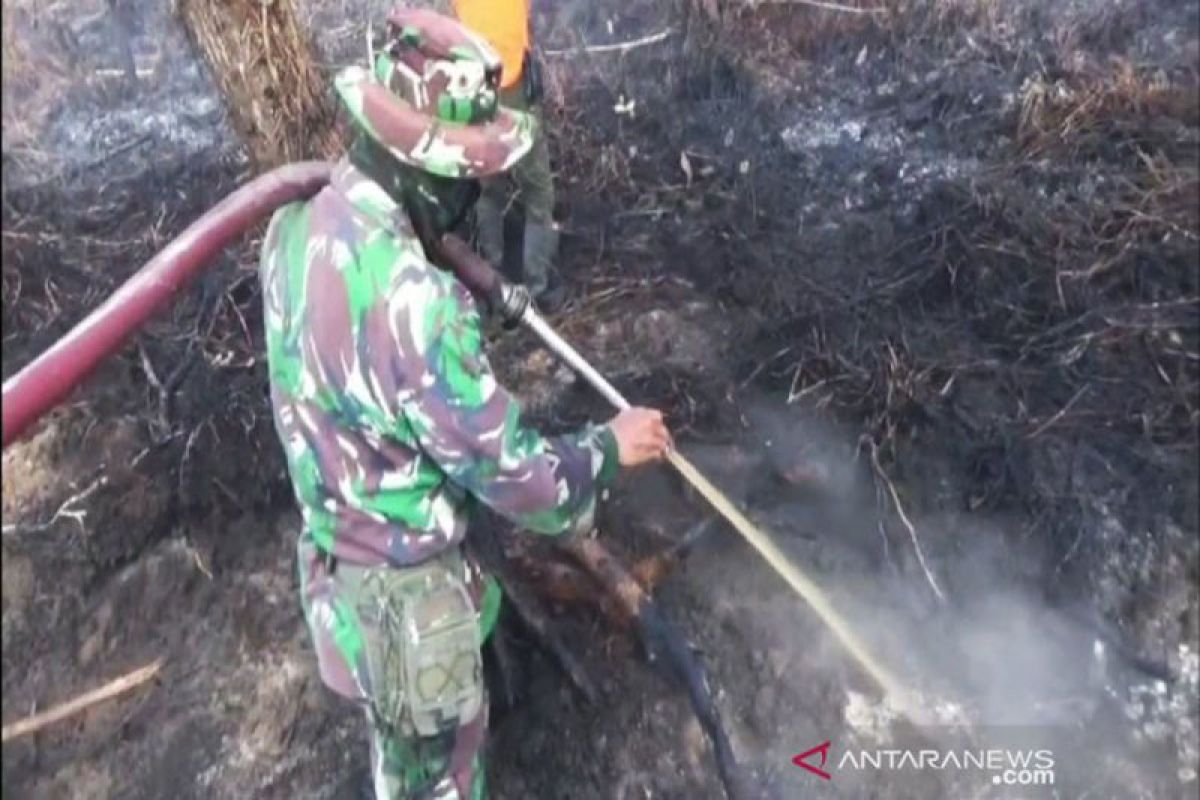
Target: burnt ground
point(941, 260)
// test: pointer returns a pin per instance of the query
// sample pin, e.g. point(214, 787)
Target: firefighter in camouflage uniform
point(391, 419)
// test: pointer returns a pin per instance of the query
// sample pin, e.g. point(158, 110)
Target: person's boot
point(541, 278)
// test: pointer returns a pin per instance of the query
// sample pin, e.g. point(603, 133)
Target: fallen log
point(625, 602)
point(666, 646)
point(560, 582)
point(529, 610)
point(485, 546)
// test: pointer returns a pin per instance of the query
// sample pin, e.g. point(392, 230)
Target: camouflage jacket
point(389, 413)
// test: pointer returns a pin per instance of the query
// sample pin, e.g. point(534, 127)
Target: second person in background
point(505, 25)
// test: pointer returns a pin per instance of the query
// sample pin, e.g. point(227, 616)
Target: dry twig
point(615, 47)
point(69, 509)
point(1045, 426)
point(115, 688)
point(824, 5)
point(908, 526)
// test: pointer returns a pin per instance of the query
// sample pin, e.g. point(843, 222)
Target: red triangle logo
point(823, 749)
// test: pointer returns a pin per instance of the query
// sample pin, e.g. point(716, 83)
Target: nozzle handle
point(483, 281)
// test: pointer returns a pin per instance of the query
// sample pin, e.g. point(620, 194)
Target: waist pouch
point(422, 645)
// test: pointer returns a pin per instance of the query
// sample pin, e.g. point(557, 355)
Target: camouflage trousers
point(352, 640)
point(531, 184)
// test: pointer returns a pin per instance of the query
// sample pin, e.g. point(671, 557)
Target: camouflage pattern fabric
point(432, 99)
point(344, 614)
point(393, 425)
point(392, 422)
point(390, 415)
point(445, 768)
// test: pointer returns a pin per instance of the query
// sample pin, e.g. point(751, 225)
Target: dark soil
point(950, 252)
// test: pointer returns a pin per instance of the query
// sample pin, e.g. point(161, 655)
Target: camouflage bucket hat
point(432, 99)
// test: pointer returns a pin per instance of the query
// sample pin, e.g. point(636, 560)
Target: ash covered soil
point(918, 289)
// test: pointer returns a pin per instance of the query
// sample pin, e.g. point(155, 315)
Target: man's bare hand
point(641, 435)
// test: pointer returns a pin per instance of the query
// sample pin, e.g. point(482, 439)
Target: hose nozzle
point(508, 300)
point(514, 301)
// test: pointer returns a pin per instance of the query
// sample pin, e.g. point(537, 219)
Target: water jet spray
point(513, 305)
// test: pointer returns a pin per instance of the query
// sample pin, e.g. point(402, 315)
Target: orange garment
point(505, 25)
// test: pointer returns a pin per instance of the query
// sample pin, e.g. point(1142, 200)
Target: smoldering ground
point(990, 655)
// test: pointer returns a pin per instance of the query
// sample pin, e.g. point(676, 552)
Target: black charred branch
point(666, 647)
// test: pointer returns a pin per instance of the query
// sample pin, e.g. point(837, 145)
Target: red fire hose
point(55, 373)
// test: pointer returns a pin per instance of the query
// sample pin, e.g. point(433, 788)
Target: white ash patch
point(870, 718)
point(1163, 712)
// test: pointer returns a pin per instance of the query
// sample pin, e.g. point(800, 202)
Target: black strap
point(532, 79)
point(328, 560)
